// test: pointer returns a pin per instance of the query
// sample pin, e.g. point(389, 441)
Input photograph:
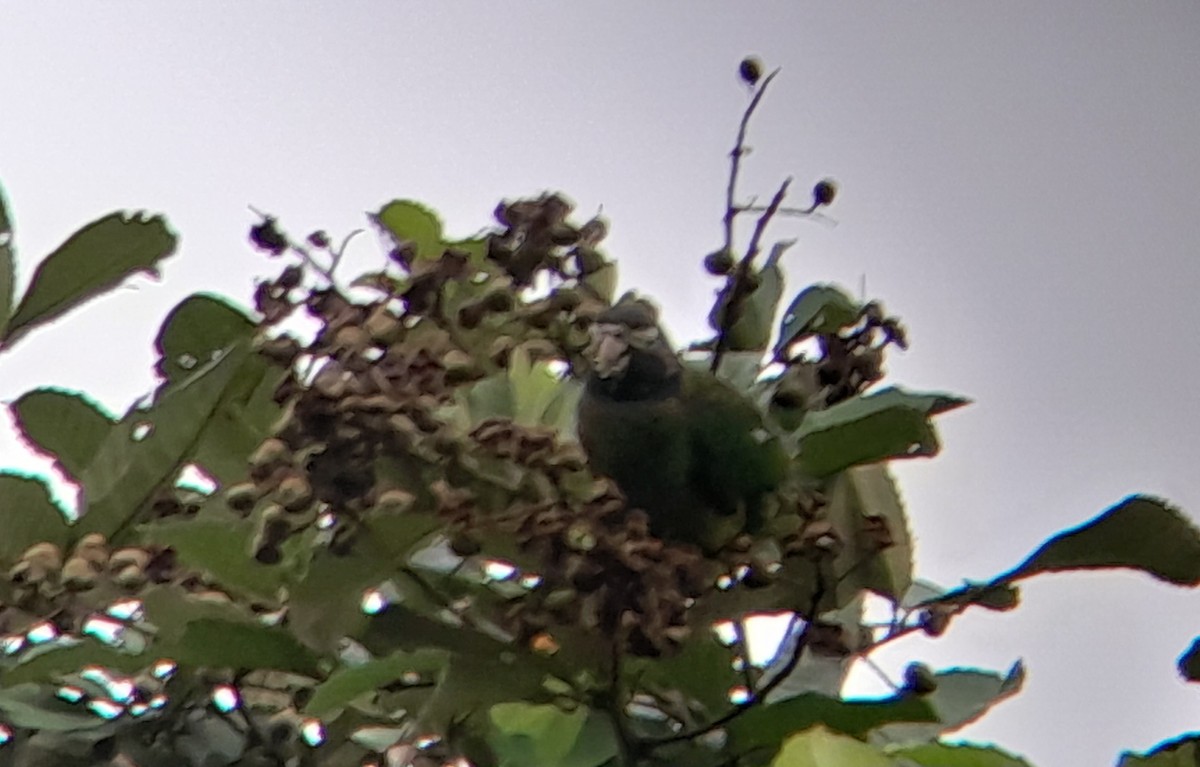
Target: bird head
point(629, 354)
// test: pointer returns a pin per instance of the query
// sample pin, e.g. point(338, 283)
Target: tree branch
point(738, 287)
point(735, 159)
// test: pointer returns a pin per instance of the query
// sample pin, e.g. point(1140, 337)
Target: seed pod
point(45, 553)
point(269, 455)
point(750, 70)
point(127, 557)
point(294, 493)
point(290, 277)
point(920, 679)
point(78, 574)
point(382, 326)
point(268, 237)
point(824, 191)
point(92, 548)
point(129, 577)
point(242, 497)
point(352, 338)
point(719, 263)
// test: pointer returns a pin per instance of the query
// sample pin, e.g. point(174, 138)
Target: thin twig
point(758, 696)
point(751, 207)
point(735, 159)
point(305, 256)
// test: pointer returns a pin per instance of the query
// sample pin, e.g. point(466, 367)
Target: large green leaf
point(412, 222)
point(524, 734)
point(95, 259)
point(955, 755)
point(240, 422)
point(148, 448)
point(199, 327)
point(27, 516)
point(220, 548)
point(702, 670)
point(767, 726)
point(477, 680)
point(819, 747)
point(8, 265)
point(1183, 751)
point(326, 604)
point(346, 684)
point(816, 309)
point(960, 696)
point(891, 423)
point(866, 509)
point(1140, 533)
point(66, 426)
point(215, 643)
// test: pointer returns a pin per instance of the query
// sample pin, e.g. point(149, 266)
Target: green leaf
point(66, 426)
point(220, 548)
point(37, 707)
point(767, 726)
point(346, 684)
point(817, 309)
point(326, 604)
point(149, 447)
point(242, 419)
point(956, 755)
point(891, 423)
point(195, 331)
point(28, 516)
point(1140, 533)
point(524, 734)
point(1183, 751)
point(215, 643)
point(478, 678)
point(8, 264)
point(474, 247)
point(92, 261)
point(752, 330)
point(960, 697)
point(412, 222)
point(46, 666)
point(702, 670)
point(819, 747)
point(868, 499)
point(602, 282)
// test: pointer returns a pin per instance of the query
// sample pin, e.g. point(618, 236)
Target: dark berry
point(824, 191)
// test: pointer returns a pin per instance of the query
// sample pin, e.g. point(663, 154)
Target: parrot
point(680, 443)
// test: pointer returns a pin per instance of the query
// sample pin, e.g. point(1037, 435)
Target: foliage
point(400, 553)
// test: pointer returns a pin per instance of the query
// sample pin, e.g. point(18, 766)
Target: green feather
point(682, 445)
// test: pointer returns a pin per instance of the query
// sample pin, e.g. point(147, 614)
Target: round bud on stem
point(824, 191)
point(750, 70)
point(719, 263)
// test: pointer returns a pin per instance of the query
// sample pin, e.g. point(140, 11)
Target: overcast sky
point(1019, 183)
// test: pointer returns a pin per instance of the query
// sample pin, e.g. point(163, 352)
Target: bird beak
point(609, 354)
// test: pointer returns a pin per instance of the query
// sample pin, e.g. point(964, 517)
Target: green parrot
point(682, 445)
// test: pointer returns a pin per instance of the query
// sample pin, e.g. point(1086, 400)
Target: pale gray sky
point(1019, 183)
